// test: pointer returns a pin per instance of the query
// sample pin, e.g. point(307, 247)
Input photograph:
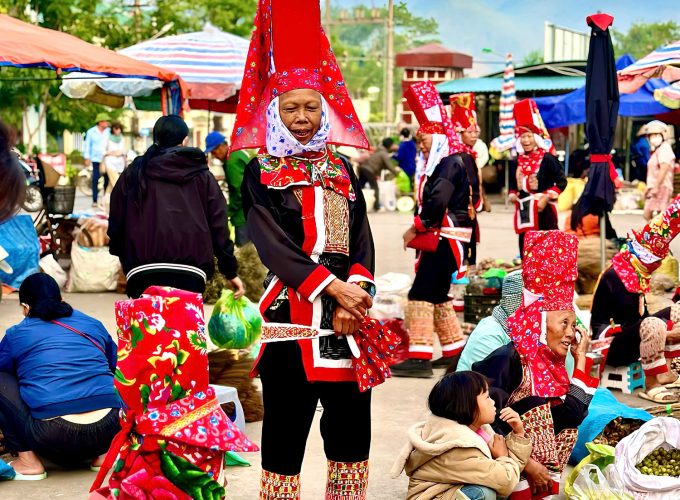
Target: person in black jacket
point(539, 178)
point(619, 310)
point(443, 197)
point(169, 217)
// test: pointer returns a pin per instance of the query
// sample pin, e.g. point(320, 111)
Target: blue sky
point(517, 26)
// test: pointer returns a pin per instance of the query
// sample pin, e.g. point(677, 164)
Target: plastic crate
point(61, 200)
point(479, 306)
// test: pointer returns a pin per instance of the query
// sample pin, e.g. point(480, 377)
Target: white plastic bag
point(50, 266)
point(390, 298)
point(660, 432)
point(92, 270)
point(591, 484)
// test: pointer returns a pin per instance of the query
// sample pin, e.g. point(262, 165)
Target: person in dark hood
point(169, 217)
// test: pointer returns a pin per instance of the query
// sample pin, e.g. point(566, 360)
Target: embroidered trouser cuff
point(420, 325)
point(347, 480)
point(448, 329)
point(279, 487)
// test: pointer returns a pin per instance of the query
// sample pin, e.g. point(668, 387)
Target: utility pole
point(389, 91)
point(374, 18)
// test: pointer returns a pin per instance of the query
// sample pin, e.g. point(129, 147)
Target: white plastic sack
point(390, 298)
point(50, 266)
point(591, 484)
point(388, 195)
point(660, 432)
point(92, 270)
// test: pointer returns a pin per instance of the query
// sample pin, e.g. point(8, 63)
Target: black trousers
point(625, 348)
point(290, 402)
point(95, 180)
point(139, 282)
point(368, 177)
point(62, 442)
point(433, 277)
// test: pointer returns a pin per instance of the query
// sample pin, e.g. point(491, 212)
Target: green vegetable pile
point(661, 462)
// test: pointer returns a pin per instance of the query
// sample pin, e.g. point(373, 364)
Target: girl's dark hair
point(168, 132)
point(117, 125)
point(455, 396)
point(13, 184)
point(41, 293)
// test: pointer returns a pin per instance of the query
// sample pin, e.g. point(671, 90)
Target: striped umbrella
point(211, 61)
point(506, 140)
point(662, 63)
point(669, 96)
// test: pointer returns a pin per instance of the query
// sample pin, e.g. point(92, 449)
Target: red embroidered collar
point(310, 169)
point(632, 279)
point(529, 163)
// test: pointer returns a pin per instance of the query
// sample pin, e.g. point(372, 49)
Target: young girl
point(455, 454)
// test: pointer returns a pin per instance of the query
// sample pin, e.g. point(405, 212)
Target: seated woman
point(57, 398)
point(529, 374)
point(619, 308)
point(455, 449)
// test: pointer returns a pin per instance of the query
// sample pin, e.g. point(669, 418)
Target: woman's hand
point(541, 202)
point(512, 198)
point(512, 418)
point(239, 289)
point(580, 347)
point(533, 182)
point(350, 297)
point(344, 323)
point(538, 477)
point(409, 235)
point(497, 446)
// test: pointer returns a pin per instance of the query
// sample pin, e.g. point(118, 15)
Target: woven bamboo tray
point(667, 410)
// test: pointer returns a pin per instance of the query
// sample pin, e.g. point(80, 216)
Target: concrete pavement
point(396, 404)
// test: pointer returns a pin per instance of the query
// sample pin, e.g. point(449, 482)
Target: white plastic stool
point(225, 394)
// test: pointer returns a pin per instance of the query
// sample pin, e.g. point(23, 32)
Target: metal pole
point(389, 64)
point(603, 240)
point(566, 158)
point(507, 182)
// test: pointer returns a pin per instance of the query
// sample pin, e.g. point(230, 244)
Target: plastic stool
point(626, 378)
point(227, 394)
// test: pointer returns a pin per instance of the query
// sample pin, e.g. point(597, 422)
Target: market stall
point(663, 63)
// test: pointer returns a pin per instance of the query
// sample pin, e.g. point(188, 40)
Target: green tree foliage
point(360, 48)
point(643, 38)
point(109, 23)
point(533, 57)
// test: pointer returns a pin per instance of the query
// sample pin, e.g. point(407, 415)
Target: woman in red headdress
point(307, 218)
point(529, 374)
point(539, 178)
point(619, 311)
point(443, 223)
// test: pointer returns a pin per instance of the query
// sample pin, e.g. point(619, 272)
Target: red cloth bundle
point(173, 429)
point(375, 344)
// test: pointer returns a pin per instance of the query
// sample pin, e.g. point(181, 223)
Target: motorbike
point(33, 201)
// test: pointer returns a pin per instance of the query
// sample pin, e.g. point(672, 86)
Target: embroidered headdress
point(429, 110)
point(463, 112)
point(288, 51)
point(647, 248)
point(528, 119)
point(549, 271)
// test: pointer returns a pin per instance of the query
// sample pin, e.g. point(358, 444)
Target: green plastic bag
point(600, 456)
point(234, 324)
point(402, 182)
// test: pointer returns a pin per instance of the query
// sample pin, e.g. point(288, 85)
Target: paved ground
point(397, 404)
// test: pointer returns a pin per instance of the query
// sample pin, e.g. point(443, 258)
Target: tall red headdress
point(427, 106)
point(288, 51)
point(528, 117)
point(463, 111)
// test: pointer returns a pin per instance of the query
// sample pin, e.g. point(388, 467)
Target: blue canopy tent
point(568, 109)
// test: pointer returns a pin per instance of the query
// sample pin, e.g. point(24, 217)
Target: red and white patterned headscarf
point(549, 270)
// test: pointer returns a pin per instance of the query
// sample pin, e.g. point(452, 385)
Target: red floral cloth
point(632, 279)
point(549, 268)
point(548, 373)
point(377, 345)
point(162, 378)
point(331, 173)
point(302, 58)
point(529, 163)
point(549, 271)
point(652, 244)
